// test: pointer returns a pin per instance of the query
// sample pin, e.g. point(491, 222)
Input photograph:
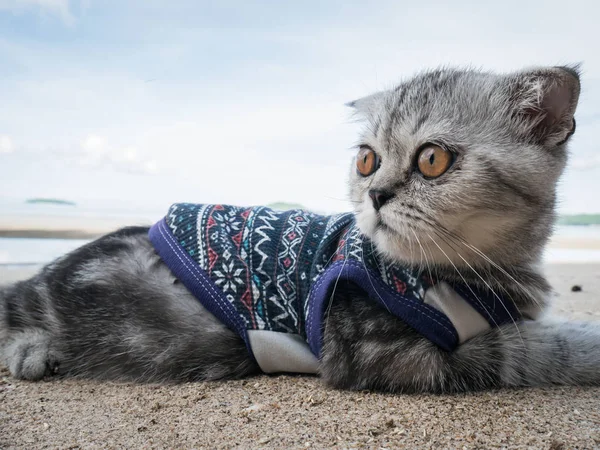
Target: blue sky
point(146, 102)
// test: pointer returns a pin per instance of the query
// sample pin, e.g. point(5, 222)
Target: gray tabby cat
point(477, 206)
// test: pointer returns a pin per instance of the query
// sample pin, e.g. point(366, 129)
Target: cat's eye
point(433, 161)
point(367, 161)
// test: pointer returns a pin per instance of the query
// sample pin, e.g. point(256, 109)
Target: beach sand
point(298, 412)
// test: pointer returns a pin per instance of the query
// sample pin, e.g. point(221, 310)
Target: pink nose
point(379, 198)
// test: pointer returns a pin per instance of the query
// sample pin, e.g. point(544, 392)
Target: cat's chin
point(410, 249)
point(397, 246)
point(407, 246)
point(419, 247)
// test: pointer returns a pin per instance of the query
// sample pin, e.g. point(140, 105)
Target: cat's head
point(458, 166)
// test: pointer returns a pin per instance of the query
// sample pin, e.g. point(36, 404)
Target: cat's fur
point(112, 309)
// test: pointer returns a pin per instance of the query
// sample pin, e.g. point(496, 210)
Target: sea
point(20, 252)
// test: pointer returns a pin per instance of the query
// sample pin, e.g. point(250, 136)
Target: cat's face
point(454, 165)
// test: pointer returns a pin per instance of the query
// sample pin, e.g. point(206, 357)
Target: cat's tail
point(537, 353)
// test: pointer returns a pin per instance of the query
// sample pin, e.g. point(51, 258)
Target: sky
point(143, 103)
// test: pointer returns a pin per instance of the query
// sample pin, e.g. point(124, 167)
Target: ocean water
point(26, 251)
point(16, 252)
point(92, 209)
point(574, 256)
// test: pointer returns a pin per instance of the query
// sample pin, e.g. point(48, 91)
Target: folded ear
point(367, 106)
point(545, 102)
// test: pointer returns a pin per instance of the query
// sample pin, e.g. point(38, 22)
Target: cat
point(455, 177)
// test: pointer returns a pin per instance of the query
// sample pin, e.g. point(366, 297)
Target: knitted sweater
point(269, 275)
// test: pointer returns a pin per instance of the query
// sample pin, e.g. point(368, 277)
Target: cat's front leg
point(365, 347)
point(112, 310)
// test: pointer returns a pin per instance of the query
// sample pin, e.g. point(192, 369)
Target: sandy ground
point(297, 412)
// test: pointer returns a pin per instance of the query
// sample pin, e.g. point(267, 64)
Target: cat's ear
point(546, 100)
point(368, 106)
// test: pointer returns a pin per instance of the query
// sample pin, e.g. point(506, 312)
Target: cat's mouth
point(381, 225)
point(393, 225)
point(401, 230)
point(393, 233)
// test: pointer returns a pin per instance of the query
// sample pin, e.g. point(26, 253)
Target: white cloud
point(6, 144)
point(58, 8)
point(94, 145)
point(97, 153)
point(586, 162)
point(150, 167)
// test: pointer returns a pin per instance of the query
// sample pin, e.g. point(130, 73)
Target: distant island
point(49, 201)
point(283, 206)
point(579, 219)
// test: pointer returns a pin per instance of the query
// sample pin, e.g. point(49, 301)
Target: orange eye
point(434, 161)
point(367, 161)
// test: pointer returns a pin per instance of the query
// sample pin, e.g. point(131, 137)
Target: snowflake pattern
point(229, 277)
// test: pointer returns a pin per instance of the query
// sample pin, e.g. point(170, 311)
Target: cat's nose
point(379, 198)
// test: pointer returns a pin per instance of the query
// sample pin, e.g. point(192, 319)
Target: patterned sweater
point(269, 275)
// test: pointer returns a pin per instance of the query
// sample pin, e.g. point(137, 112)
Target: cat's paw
point(28, 356)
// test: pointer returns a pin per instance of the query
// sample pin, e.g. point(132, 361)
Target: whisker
point(356, 202)
point(420, 250)
point(435, 225)
point(458, 240)
point(336, 234)
point(454, 241)
point(474, 249)
point(463, 278)
point(488, 286)
point(327, 311)
point(424, 252)
point(371, 281)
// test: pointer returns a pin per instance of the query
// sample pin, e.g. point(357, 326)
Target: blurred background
point(112, 110)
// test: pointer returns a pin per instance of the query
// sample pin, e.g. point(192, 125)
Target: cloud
point(585, 162)
point(95, 152)
point(235, 102)
point(6, 144)
point(58, 8)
